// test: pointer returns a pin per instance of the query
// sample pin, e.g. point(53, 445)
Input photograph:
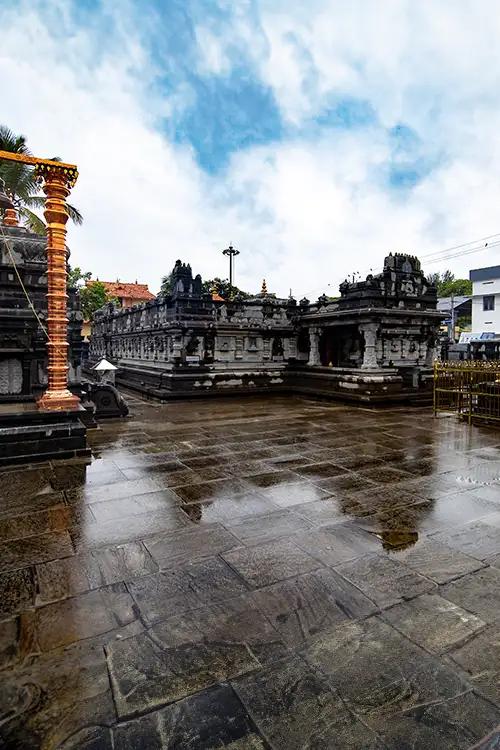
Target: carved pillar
point(56, 186)
point(314, 358)
point(369, 331)
point(430, 354)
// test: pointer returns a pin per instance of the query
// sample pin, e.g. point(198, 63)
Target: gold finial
point(263, 291)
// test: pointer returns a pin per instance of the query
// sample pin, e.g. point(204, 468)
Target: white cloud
point(303, 212)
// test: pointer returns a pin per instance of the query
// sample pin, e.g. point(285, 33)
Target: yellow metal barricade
point(471, 389)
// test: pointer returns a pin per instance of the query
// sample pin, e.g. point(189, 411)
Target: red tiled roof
point(128, 291)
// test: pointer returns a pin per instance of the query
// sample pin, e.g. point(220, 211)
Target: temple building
point(375, 343)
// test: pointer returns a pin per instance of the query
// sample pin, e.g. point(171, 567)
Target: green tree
point(93, 297)
point(448, 286)
point(166, 284)
point(22, 186)
point(77, 277)
point(221, 286)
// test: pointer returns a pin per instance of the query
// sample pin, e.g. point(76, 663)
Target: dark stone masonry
point(257, 574)
point(375, 343)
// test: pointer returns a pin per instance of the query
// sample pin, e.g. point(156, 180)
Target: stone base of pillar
point(58, 401)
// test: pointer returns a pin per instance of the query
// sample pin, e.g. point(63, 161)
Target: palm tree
point(21, 185)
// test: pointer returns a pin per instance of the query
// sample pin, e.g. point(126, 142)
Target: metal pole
point(452, 335)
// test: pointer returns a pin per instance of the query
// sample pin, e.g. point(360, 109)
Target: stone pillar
point(430, 355)
point(369, 331)
point(314, 358)
point(56, 186)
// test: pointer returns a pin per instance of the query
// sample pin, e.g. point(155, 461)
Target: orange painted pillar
point(57, 183)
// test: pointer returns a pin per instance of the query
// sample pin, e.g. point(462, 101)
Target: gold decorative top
point(44, 167)
point(67, 172)
point(263, 291)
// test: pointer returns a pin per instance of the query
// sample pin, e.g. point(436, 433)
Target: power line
point(447, 254)
point(456, 247)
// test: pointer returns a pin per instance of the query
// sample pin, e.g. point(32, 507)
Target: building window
point(489, 302)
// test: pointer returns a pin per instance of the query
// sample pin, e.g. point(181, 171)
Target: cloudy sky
point(315, 136)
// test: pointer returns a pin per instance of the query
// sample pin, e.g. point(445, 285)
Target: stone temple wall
point(375, 342)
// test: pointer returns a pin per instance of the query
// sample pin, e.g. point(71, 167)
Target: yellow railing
point(471, 389)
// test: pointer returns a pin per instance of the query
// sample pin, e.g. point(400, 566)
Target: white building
point(486, 300)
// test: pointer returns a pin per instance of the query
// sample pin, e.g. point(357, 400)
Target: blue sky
point(314, 138)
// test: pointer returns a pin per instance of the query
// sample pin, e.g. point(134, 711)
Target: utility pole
point(231, 251)
point(452, 323)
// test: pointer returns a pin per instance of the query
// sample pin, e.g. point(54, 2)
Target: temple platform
point(165, 382)
point(29, 435)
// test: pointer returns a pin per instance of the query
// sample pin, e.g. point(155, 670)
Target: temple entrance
point(340, 346)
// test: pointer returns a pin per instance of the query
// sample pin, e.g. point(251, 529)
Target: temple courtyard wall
point(375, 343)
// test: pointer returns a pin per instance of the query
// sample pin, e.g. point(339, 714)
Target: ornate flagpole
point(57, 180)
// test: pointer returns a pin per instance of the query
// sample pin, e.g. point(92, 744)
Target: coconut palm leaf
point(32, 221)
point(22, 185)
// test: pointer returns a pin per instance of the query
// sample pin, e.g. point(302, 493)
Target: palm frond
point(75, 215)
point(22, 185)
point(32, 221)
point(9, 141)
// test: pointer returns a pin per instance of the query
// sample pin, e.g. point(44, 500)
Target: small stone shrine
point(375, 343)
point(23, 343)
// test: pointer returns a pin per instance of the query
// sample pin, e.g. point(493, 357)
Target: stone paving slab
point(478, 592)
point(433, 622)
point(384, 580)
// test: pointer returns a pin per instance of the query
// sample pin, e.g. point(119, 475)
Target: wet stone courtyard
point(262, 573)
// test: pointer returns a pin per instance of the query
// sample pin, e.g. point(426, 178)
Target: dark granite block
point(271, 526)
point(378, 672)
point(234, 621)
point(55, 518)
point(384, 474)
point(270, 562)
point(437, 561)
point(47, 701)
point(145, 675)
point(339, 543)
point(127, 529)
point(89, 738)
point(384, 580)
point(479, 539)
point(164, 594)
point(478, 592)
point(345, 483)
point(20, 553)
point(190, 544)
point(320, 470)
point(163, 500)
point(17, 591)
point(448, 725)
point(481, 658)
point(211, 720)
point(124, 562)
point(433, 622)
point(84, 616)
point(228, 511)
point(10, 646)
point(59, 579)
point(293, 493)
point(303, 607)
point(295, 709)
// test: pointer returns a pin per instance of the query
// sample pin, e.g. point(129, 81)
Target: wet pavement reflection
point(255, 573)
